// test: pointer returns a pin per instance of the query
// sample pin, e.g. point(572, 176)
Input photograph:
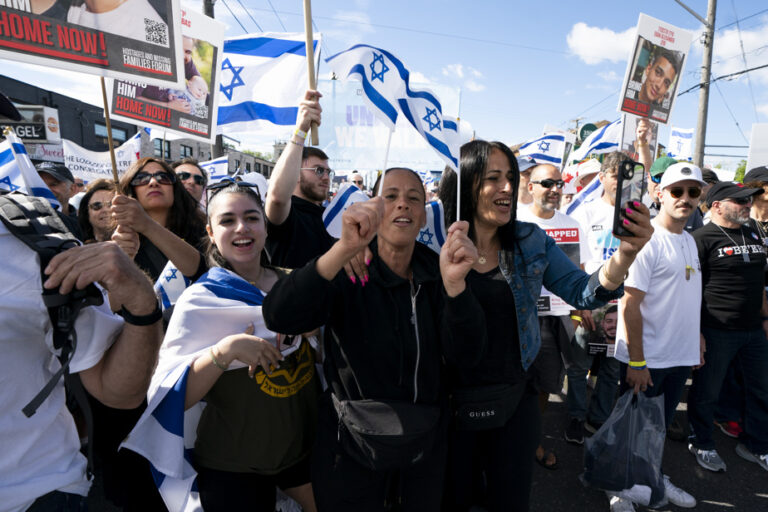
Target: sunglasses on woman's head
point(550, 183)
point(161, 177)
point(215, 188)
point(98, 205)
point(184, 176)
point(677, 192)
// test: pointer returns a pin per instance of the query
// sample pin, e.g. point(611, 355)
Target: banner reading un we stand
point(132, 39)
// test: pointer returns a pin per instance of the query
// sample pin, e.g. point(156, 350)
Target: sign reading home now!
point(132, 39)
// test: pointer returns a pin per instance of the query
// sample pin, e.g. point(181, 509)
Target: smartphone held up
point(630, 187)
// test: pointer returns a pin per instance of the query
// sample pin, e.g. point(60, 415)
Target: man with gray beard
point(546, 187)
point(733, 261)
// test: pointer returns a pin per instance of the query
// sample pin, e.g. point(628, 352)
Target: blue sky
point(521, 65)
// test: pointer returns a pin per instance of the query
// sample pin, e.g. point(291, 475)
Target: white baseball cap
point(681, 171)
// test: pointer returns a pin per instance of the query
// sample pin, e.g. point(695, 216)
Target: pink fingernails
point(629, 210)
point(352, 278)
point(637, 205)
point(367, 262)
point(626, 222)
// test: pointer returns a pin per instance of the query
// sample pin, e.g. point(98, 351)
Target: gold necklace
point(688, 268)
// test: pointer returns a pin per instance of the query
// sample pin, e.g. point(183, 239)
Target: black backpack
point(34, 221)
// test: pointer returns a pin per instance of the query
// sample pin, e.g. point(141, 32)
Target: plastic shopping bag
point(628, 448)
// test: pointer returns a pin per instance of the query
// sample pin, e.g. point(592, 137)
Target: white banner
point(758, 146)
point(93, 165)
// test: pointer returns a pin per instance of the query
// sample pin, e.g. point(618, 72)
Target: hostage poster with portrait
point(189, 111)
point(654, 69)
point(637, 131)
point(129, 39)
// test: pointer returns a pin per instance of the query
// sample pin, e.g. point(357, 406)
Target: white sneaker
point(620, 504)
point(640, 494)
point(677, 496)
point(744, 453)
point(708, 459)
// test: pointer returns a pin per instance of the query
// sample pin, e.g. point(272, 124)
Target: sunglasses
point(184, 176)
point(98, 205)
point(740, 201)
point(677, 192)
point(319, 171)
point(657, 179)
point(212, 190)
point(161, 177)
point(550, 183)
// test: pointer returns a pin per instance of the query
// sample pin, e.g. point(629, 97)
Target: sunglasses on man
point(741, 201)
point(320, 171)
point(98, 205)
point(677, 192)
point(161, 177)
point(184, 176)
point(550, 183)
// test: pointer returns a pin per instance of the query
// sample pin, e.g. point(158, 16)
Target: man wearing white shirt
point(657, 339)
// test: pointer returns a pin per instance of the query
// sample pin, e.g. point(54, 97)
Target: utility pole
point(706, 73)
point(218, 147)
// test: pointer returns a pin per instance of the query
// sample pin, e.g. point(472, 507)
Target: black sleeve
point(299, 302)
point(463, 329)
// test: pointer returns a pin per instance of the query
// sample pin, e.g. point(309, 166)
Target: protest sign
point(634, 130)
point(654, 69)
point(758, 146)
point(128, 39)
point(92, 165)
point(680, 143)
point(191, 111)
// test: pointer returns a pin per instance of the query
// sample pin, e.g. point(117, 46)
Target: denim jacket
point(529, 258)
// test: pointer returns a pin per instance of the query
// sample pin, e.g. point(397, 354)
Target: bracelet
point(300, 144)
point(577, 318)
point(142, 320)
point(215, 362)
point(605, 276)
point(300, 133)
point(639, 367)
point(637, 364)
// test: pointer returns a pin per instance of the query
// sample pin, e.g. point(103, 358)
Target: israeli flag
point(433, 234)
point(263, 79)
point(347, 195)
point(17, 174)
point(547, 149)
point(216, 169)
point(680, 143)
point(386, 90)
point(603, 140)
point(586, 195)
point(170, 285)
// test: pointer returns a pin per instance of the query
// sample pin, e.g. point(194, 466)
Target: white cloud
point(594, 45)
point(468, 77)
point(473, 86)
point(763, 109)
point(417, 77)
point(727, 57)
point(609, 76)
point(347, 28)
point(456, 70)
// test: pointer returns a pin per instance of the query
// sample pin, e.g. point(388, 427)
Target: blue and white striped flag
point(680, 143)
point(547, 149)
point(263, 79)
point(586, 195)
point(433, 234)
point(17, 174)
point(386, 89)
point(216, 169)
point(170, 285)
point(602, 140)
point(347, 195)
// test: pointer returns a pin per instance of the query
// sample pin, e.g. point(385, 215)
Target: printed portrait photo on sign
point(636, 132)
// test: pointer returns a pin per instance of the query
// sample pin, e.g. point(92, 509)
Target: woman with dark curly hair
point(94, 214)
point(169, 224)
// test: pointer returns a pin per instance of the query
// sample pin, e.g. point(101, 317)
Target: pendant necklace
point(762, 229)
point(482, 259)
point(688, 268)
point(744, 255)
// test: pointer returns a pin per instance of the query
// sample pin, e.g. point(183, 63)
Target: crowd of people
point(368, 372)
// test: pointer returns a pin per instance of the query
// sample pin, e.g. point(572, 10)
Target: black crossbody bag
point(383, 435)
point(486, 407)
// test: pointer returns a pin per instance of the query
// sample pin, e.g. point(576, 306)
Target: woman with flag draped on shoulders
point(515, 260)
point(232, 405)
point(381, 428)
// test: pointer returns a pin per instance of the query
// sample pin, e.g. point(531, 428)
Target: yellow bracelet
point(300, 133)
point(215, 362)
point(577, 318)
point(638, 364)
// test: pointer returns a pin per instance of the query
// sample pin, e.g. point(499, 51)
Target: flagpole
point(109, 131)
point(386, 160)
point(310, 62)
point(458, 194)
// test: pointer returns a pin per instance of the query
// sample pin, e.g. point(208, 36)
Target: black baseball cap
point(7, 108)
point(759, 174)
point(58, 171)
point(730, 190)
point(709, 176)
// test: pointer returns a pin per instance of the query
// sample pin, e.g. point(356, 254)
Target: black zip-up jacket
point(392, 353)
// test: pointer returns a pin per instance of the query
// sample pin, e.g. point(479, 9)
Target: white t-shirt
point(125, 20)
point(671, 308)
point(570, 238)
point(596, 219)
point(40, 454)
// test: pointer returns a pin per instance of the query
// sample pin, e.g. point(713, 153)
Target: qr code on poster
point(155, 32)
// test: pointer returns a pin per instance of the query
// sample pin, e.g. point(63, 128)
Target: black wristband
point(142, 320)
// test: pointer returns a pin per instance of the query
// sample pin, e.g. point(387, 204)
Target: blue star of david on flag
point(543, 146)
point(431, 112)
point(171, 274)
point(547, 149)
point(425, 236)
point(378, 57)
point(237, 81)
point(7, 181)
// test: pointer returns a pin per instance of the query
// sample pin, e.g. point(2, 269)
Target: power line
point(234, 16)
point(744, 59)
point(717, 86)
point(249, 15)
point(731, 75)
point(277, 15)
point(742, 19)
point(590, 108)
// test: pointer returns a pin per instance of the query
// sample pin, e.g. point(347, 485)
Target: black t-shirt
point(733, 288)
point(501, 362)
point(762, 230)
point(300, 238)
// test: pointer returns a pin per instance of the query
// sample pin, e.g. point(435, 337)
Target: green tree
point(740, 170)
